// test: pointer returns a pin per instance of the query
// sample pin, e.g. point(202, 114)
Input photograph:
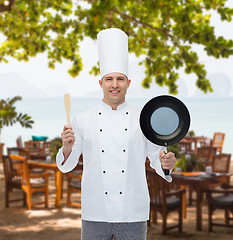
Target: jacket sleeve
point(76, 151)
point(152, 151)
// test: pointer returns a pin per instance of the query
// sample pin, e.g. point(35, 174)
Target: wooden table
point(38, 156)
point(199, 182)
point(58, 176)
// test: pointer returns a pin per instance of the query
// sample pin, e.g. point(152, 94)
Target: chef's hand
point(168, 160)
point(68, 139)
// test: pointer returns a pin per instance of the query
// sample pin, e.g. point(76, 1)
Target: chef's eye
point(121, 79)
point(108, 79)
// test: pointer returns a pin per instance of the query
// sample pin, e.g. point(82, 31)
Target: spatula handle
point(68, 117)
point(67, 103)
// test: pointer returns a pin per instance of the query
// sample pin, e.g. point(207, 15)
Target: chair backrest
point(46, 147)
point(34, 146)
point(19, 142)
point(185, 147)
point(20, 165)
point(18, 151)
point(218, 140)
point(205, 155)
point(221, 163)
point(1, 151)
point(157, 189)
point(12, 176)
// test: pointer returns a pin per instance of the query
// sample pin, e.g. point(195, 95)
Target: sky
point(38, 80)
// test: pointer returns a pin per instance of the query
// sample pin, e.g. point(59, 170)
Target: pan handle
point(166, 171)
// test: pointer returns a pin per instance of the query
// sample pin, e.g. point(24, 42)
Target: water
point(207, 117)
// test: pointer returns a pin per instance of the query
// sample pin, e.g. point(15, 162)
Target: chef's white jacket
point(114, 185)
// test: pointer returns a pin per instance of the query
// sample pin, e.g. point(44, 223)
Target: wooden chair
point(18, 151)
point(220, 199)
point(218, 140)
point(185, 147)
point(164, 201)
point(12, 182)
point(34, 146)
point(1, 151)
point(38, 149)
point(73, 185)
point(30, 183)
point(205, 156)
point(46, 145)
point(24, 153)
point(19, 142)
point(221, 164)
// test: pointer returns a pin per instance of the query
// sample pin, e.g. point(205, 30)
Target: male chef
point(115, 198)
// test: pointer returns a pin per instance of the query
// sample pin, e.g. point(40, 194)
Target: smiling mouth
point(114, 92)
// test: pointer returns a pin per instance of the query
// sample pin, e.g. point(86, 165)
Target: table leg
point(199, 210)
point(184, 201)
point(58, 183)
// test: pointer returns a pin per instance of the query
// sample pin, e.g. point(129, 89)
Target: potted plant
point(9, 116)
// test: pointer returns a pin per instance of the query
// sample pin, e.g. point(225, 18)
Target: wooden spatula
point(67, 103)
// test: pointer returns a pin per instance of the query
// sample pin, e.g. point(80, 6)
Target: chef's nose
point(115, 83)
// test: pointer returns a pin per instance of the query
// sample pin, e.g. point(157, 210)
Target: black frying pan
point(164, 121)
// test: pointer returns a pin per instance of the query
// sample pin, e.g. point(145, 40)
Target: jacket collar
point(108, 107)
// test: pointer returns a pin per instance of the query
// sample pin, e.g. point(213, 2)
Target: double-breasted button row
point(107, 193)
point(121, 171)
point(101, 130)
point(125, 113)
point(103, 150)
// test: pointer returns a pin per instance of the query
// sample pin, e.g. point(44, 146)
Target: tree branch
point(144, 24)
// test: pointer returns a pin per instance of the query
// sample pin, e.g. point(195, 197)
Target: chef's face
point(114, 87)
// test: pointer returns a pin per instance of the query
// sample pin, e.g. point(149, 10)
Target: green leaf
point(9, 116)
point(161, 33)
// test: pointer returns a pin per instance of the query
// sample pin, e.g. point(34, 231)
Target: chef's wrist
point(66, 154)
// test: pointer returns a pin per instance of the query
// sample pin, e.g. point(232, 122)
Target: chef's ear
point(101, 82)
point(129, 81)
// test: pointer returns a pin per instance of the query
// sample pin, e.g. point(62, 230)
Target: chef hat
point(113, 51)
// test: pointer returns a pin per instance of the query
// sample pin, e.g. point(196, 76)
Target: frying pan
point(164, 120)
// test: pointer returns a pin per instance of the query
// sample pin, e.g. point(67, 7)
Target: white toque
point(113, 51)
